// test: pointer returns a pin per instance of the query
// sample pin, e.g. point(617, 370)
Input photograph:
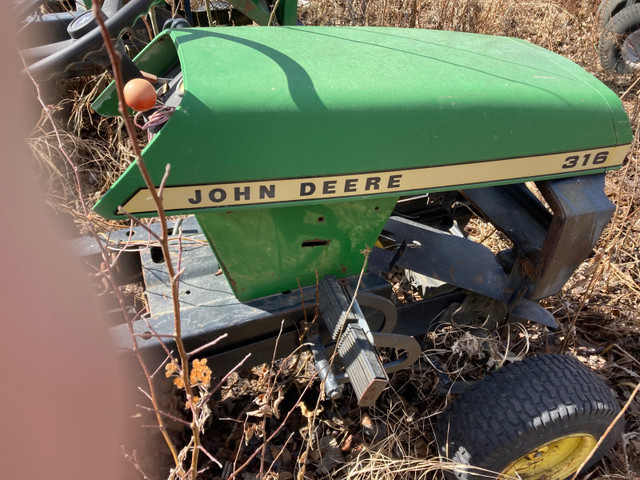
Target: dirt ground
point(311, 437)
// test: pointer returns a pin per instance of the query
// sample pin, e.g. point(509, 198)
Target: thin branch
point(119, 84)
point(137, 221)
point(223, 379)
point(145, 394)
point(103, 249)
point(164, 414)
point(207, 345)
point(167, 358)
point(167, 169)
point(276, 432)
point(211, 457)
point(607, 431)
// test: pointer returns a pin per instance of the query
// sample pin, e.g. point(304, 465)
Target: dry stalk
point(399, 448)
point(613, 423)
point(313, 417)
point(105, 255)
point(174, 278)
point(238, 470)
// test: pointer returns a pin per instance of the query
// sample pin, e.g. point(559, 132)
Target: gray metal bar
point(445, 257)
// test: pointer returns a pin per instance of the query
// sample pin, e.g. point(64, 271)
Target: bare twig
point(607, 431)
point(157, 199)
point(207, 345)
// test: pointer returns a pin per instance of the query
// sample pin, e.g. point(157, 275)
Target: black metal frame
point(547, 247)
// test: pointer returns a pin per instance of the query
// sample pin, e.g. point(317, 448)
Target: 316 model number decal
point(586, 159)
point(387, 182)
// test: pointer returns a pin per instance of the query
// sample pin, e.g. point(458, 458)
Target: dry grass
point(597, 310)
point(97, 145)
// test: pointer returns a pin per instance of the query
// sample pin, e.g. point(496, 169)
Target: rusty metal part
point(515, 211)
point(581, 210)
point(548, 245)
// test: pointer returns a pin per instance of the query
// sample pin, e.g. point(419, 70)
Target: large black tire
point(524, 411)
point(619, 45)
point(608, 9)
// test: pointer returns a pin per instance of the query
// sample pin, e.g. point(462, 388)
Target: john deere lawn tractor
point(294, 149)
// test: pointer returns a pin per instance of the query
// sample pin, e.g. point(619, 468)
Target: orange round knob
point(139, 94)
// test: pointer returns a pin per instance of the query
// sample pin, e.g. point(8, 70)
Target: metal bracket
point(445, 257)
point(410, 346)
point(581, 210)
point(383, 305)
point(549, 246)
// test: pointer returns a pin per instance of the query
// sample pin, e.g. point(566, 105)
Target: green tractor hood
point(290, 135)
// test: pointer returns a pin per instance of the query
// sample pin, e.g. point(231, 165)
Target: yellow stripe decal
point(374, 183)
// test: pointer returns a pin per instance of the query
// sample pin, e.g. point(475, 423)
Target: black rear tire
point(619, 45)
point(608, 9)
point(523, 411)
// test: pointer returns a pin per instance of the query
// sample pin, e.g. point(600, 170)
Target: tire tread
point(623, 22)
point(531, 398)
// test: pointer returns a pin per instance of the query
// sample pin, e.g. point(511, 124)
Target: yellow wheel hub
point(555, 460)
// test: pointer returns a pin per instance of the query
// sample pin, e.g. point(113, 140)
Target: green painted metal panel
point(158, 56)
point(303, 102)
point(256, 10)
point(287, 12)
point(271, 250)
point(292, 144)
